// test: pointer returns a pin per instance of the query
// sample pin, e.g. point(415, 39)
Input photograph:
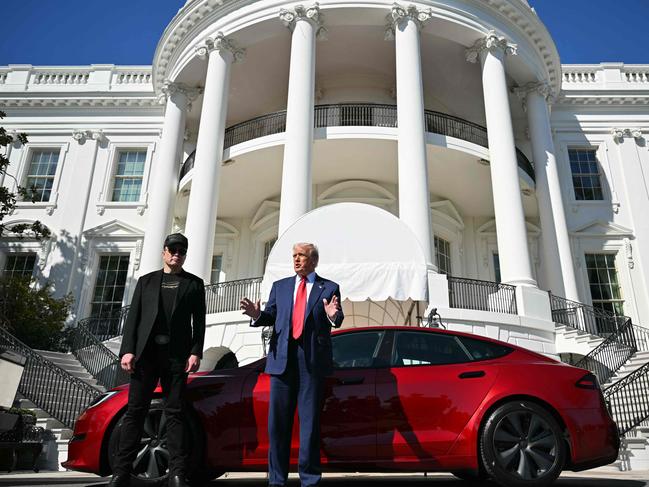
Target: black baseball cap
point(176, 240)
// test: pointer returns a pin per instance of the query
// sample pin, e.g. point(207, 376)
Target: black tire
point(522, 445)
point(151, 467)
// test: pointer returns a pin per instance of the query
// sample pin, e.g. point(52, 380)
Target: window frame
point(96, 275)
point(600, 173)
point(18, 253)
point(104, 200)
point(589, 284)
point(23, 171)
point(115, 176)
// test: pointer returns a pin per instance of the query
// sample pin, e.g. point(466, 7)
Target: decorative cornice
point(621, 133)
point(400, 14)
point(219, 42)
point(311, 14)
point(491, 42)
point(78, 102)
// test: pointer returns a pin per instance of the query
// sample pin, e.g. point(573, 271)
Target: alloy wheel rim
point(525, 445)
point(152, 459)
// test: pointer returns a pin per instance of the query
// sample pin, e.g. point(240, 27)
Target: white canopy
point(368, 251)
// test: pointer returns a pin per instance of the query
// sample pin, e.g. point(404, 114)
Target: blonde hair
point(313, 249)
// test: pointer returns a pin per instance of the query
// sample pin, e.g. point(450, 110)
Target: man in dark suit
point(163, 340)
point(301, 309)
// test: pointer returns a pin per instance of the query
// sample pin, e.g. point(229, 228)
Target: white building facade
point(438, 152)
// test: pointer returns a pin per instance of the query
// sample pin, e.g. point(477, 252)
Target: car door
point(348, 422)
point(427, 395)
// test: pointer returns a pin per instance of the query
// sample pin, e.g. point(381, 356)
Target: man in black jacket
point(163, 340)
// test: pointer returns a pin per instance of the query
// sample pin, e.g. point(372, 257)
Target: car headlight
point(101, 398)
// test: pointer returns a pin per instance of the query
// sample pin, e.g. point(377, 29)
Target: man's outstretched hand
point(252, 309)
point(332, 307)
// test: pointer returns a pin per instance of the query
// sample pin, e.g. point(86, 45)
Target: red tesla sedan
point(400, 399)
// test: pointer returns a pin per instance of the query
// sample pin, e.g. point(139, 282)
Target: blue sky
point(78, 32)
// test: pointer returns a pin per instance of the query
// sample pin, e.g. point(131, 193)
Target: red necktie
point(299, 307)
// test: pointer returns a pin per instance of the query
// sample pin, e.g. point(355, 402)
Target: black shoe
point(177, 481)
point(120, 480)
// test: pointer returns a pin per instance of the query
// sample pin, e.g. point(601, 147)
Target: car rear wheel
point(151, 465)
point(522, 445)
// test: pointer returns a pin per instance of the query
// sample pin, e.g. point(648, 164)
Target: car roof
point(441, 331)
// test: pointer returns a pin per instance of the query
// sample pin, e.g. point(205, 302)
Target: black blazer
point(187, 326)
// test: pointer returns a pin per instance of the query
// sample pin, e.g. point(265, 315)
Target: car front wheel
point(151, 465)
point(522, 445)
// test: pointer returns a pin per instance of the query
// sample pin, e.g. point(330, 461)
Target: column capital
point(170, 88)
point(218, 42)
point(311, 14)
point(542, 88)
point(619, 134)
point(491, 42)
point(400, 13)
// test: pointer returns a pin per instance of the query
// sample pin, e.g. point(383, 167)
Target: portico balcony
point(359, 115)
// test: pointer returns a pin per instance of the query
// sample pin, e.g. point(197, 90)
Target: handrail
point(610, 355)
point(50, 387)
point(629, 399)
point(585, 318)
point(96, 358)
point(225, 296)
point(359, 115)
point(481, 295)
point(107, 325)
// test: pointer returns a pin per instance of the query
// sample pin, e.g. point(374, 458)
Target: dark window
point(605, 289)
point(496, 258)
point(443, 255)
point(19, 265)
point(585, 174)
point(355, 349)
point(481, 350)
point(41, 173)
point(421, 348)
point(110, 284)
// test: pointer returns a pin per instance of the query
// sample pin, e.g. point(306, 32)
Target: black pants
point(155, 364)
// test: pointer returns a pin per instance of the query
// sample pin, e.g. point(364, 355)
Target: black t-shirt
point(168, 292)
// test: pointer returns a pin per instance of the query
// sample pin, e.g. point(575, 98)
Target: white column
point(305, 24)
point(557, 254)
point(164, 176)
point(414, 201)
point(515, 265)
point(204, 197)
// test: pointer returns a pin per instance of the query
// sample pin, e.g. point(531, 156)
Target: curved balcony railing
point(359, 115)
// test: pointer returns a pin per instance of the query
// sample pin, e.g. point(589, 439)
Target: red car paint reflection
point(401, 398)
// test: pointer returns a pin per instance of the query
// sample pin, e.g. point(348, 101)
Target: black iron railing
point(51, 388)
point(610, 355)
point(107, 325)
point(96, 358)
point(585, 318)
point(225, 296)
point(629, 399)
point(481, 295)
point(359, 115)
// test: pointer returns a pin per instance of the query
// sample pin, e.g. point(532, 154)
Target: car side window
point(355, 350)
point(422, 348)
point(481, 350)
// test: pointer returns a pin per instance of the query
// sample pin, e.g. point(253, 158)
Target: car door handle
point(349, 381)
point(472, 375)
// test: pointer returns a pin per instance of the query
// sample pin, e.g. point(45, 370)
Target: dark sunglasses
point(177, 250)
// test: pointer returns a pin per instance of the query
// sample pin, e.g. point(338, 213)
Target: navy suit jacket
point(316, 334)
